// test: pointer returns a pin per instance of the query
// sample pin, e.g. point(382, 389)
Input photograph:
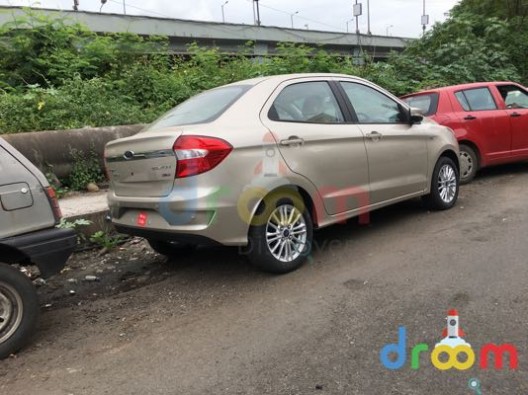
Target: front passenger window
point(372, 106)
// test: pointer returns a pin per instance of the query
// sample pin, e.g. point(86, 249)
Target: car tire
point(469, 164)
point(445, 185)
point(170, 248)
point(281, 235)
point(19, 310)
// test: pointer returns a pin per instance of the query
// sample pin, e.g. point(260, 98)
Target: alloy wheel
point(286, 233)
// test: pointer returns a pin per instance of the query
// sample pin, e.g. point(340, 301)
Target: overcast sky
point(397, 17)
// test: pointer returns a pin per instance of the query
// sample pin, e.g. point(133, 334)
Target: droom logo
point(452, 352)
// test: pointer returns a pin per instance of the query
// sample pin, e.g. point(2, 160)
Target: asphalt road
point(216, 326)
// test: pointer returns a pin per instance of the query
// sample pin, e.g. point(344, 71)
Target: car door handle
point(375, 136)
point(470, 118)
point(292, 140)
point(515, 115)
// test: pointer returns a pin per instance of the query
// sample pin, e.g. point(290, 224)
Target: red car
point(490, 120)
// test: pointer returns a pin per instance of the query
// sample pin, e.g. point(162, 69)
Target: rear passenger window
point(310, 102)
point(479, 99)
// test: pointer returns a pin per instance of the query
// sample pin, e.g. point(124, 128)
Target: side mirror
point(415, 115)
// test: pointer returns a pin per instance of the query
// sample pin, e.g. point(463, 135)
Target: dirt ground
point(208, 323)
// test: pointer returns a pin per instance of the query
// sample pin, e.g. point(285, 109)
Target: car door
point(24, 206)
point(316, 142)
point(397, 151)
point(484, 123)
point(516, 105)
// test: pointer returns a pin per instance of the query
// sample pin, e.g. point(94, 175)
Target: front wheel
point(19, 310)
point(444, 185)
point(281, 239)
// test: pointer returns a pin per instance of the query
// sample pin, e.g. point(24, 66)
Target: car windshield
point(428, 103)
point(202, 108)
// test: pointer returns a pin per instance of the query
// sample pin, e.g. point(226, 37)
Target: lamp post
point(387, 29)
point(222, 7)
point(291, 17)
point(368, 18)
point(347, 22)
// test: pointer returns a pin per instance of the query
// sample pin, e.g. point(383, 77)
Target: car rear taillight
point(198, 154)
point(50, 193)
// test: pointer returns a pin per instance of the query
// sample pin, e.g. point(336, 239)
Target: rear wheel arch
point(291, 190)
point(280, 235)
point(474, 147)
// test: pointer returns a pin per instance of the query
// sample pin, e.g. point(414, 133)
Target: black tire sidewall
point(23, 286)
point(433, 199)
point(474, 158)
point(258, 250)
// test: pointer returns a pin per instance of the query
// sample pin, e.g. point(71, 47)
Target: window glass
point(311, 102)
point(372, 106)
point(479, 99)
point(427, 103)
point(513, 96)
point(462, 100)
point(202, 108)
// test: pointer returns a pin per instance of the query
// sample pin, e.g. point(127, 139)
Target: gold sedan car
point(261, 163)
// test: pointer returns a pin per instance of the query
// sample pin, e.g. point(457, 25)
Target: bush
point(58, 75)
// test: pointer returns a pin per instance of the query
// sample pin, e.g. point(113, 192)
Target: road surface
point(214, 325)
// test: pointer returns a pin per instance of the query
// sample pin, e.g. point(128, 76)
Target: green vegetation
point(105, 240)
point(55, 74)
point(86, 169)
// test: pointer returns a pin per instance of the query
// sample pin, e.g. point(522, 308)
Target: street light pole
point(368, 18)
point(222, 6)
point(387, 29)
point(291, 17)
point(124, 8)
point(347, 22)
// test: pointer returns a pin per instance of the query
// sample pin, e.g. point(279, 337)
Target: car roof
point(285, 77)
point(471, 85)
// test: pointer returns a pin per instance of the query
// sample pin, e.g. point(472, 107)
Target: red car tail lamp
point(199, 154)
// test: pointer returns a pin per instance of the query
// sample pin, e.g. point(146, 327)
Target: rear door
point(484, 123)
point(397, 151)
point(24, 206)
point(318, 143)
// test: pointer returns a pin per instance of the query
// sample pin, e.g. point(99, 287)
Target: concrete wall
point(52, 148)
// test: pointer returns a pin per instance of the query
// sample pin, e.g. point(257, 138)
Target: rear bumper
point(194, 215)
point(48, 249)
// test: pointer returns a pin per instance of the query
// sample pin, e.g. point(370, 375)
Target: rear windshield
point(202, 108)
point(428, 103)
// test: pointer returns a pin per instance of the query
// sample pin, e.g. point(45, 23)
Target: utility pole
point(357, 12)
point(425, 19)
point(256, 5)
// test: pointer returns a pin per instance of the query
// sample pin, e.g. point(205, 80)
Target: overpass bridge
point(228, 37)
